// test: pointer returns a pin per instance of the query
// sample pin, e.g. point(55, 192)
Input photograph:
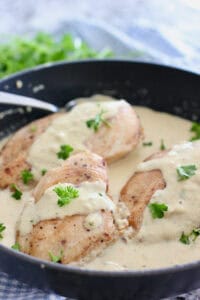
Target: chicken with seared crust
point(87, 225)
point(110, 129)
point(139, 189)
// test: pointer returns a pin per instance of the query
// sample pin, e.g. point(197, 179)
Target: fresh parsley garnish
point(17, 194)
point(195, 128)
point(56, 258)
point(2, 228)
point(66, 194)
point(97, 121)
point(158, 210)
point(184, 239)
point(147, 144)
point(195, 233)
point(43, 172)
point(185, 172)
point(22, 52)
point(191, 237)
point(26, 176)
point(16, 247)
point(64, 152)
point(162, 145)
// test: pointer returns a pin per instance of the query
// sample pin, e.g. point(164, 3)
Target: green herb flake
point(195, 233)
point(64, 152)
point(16, 246)
point(191, 237)
point(91, 224)
point(97, 121)
point(66, 194)
point(147, 144)
point(195, 128)
point(184, 239)
point(33, 128)
point(43, 172)
point(56, 258)
point(2, 228)
point(162, 145)
point(17, 194)
point(157, 210)
point(26, 176)
point(185, 172)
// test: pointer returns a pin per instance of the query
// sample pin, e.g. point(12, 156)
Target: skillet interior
point(161, 88)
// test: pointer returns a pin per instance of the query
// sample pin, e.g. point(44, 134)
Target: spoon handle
point(13, 99)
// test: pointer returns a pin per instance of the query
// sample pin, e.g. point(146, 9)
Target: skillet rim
point(75, 269)
point(93, 60)
point(100, 273)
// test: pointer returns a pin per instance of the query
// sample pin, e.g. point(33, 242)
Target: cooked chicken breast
point(111, 142)
point(69, 235)
point(122, 136)
point(13, 154)
point(81, 167)
point(138, 191)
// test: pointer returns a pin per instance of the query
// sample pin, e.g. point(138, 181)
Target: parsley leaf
point(33, 128)
point(43, 172)
point(162, 145)
point(195, 233)
point(26, 176)
point(17, 194)
point(2, 228)
point(66, 194)
point(56, 258)
point(21, 52)
point(185, 172)
point(195, 128)
point(64, 152)
point(148, 144)
point(16, 246)
point(96, 122)
point(191, 237)
point(184, 239)
point(157, 210)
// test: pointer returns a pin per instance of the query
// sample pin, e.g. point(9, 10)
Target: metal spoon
point(13, 99)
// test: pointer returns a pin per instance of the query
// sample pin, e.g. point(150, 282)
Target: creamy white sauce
point(93, 221)
point(68, 129)
point(157, 244)
point(92, 198)
point(181, 197)
point(121, 215)
point(10, 211)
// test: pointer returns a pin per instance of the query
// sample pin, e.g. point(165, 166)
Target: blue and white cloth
point(11, 289)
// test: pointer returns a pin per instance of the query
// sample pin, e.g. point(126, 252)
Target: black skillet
point(161, 88)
